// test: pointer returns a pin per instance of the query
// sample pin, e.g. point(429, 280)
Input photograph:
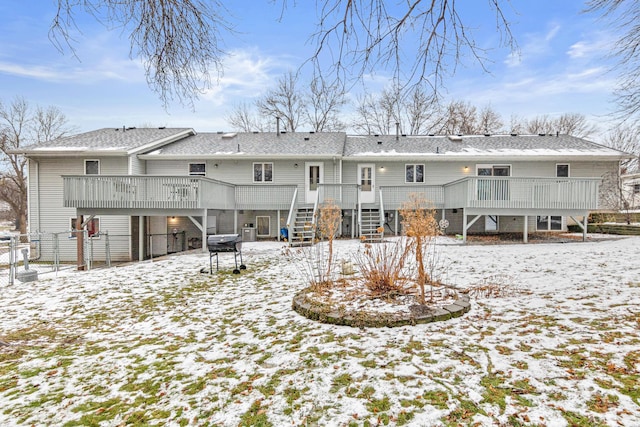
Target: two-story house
point(150, 186)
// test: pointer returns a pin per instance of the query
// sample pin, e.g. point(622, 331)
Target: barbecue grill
point(225, 243)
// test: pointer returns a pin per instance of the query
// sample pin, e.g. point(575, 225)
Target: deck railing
point(194, 192)
point(345, 196)
point(264, 197)
point(522, 193)
point(395, 196)
point(146, 192)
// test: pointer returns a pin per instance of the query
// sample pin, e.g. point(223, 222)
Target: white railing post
point(292, 209)
point(381, 210)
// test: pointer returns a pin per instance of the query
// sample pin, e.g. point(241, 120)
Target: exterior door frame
point(310, 193)
point(367, 196)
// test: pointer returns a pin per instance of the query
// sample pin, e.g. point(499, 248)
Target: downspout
point(38, 197)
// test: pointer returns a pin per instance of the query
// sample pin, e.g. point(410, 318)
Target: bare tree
point(375, 115)
point(624, 16)
point(421, 112)
point(284, 101)
point(516, 124)
point(539, 124)
point(460, 118)
point(20, 126)
point(489, 120)
point(574, 124)
point(416, 112)
point(324, 102)
point(626, 138)
point(179, 41)
point(243, 119)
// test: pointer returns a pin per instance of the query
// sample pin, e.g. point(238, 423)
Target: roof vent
point(376, 134)
point(432, 134)
point(255, 131)
point(542, 134)
point(455, 138)
point(379, 142)
point(487, 134)
point(229, 135)
point(311, 131)
point(162, 127)
point(514, 134)
point(306, 138)
point(219, 132)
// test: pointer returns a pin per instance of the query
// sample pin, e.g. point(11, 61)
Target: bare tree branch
point(362, 36)
point(179, 41)
point(624, 16)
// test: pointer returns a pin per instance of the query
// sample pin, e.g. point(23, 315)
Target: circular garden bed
point(344, 307)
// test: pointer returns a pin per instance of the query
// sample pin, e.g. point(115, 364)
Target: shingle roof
point(107, 139)
point(257, 144)
point(474, 145)
point(184, 142)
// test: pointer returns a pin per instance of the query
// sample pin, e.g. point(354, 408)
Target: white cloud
point(598, 46)
point(536, 45)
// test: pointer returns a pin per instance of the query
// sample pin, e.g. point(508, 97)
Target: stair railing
point(292, 209)
point(381, 213)
point(359, 212)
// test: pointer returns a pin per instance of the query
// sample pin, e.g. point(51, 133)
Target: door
point(492, 189)
point(314, 173)
point(158, 235)
point(367, 182)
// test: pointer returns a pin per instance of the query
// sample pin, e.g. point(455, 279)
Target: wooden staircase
point(302, 232)
point(370, 222)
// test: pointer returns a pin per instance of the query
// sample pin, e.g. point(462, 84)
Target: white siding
point(53, 217)
point(241, 171)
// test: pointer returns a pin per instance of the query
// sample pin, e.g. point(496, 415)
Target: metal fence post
point(12, 259)
point(56, 252)
point(107, 250)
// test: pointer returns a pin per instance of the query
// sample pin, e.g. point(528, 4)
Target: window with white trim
point(562, 170)
point(93, 228)
point(92, 167)
point(414, 173)
point(197, 169)
point(263, 172)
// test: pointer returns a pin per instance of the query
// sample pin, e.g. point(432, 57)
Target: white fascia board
point(237, 156)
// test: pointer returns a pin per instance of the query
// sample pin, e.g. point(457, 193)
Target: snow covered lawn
point(160, 343)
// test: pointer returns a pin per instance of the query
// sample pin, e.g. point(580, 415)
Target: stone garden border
point(338, 316)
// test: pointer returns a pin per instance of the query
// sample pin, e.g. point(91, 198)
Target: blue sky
point(561, 67)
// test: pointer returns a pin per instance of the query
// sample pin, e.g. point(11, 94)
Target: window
point(414, 173)
point(93, 228)
point(263, 172)
point(562, 171)
point(197, 169)
point(494, 170)
point(636, 188)
point(549, 223)
point(92, 167)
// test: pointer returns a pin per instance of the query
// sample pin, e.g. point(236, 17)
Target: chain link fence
point(24, 257)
